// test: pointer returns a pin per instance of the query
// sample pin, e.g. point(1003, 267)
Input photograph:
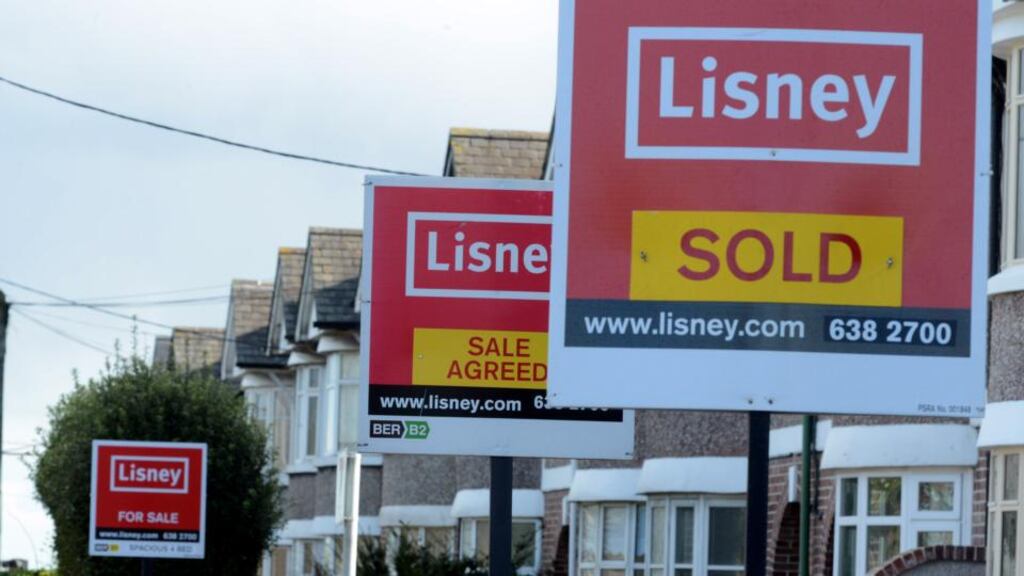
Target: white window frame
point(318, 545)
point(347, 428)
point(418, 534)
point(701, 504)
point(997, 505)
point(910, 521)
point(599, 564)
point(303, 392)
point(1012, 171)
point(331, 398)
point(473, 523)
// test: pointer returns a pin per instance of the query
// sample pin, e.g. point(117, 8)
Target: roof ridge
point(291, 250)
point(329, 231)
point(498, 134)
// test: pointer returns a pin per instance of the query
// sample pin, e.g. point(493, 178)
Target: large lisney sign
point(454, 325)
point(778, 205)
point(148, 499)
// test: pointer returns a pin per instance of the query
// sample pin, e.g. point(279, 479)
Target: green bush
point(131, 401)
point(411, 559)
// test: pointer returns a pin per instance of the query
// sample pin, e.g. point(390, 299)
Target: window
point(438, 539)
point(475, 542)
point(308, 409)
point(1013, 191)
point(686, 536)
point(272, 407)
point(309, 557)
point(348, 409)
point(274, 562)
point(1006, 506)
point(879, 515)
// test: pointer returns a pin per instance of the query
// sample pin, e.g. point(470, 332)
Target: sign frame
point(778, 381)
point(129, 548)
point(461, 435)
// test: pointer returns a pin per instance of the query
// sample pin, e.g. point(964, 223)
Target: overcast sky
point(92, 207)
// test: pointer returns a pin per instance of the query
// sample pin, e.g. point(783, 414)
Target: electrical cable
point(93, 324)
point(136, 304)
point(102, 310)
point(203, 136)
point(160, 293)
point(63, 334)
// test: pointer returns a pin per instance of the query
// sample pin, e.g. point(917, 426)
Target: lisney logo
point(774, 94)
point(153, 474)
point(478, 256)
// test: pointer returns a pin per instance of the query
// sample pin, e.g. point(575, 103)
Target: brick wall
point(979, 513)
point(555, 535)
point(779, 535)
point(918, 557)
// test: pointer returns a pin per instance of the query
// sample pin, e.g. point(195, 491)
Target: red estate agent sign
point(454, 303)
point(148, 499)
point(776, 205)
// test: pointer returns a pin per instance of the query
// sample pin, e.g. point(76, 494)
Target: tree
point(131, 401)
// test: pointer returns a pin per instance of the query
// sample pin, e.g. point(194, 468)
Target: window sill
point(1010, 279)
point(300, 468)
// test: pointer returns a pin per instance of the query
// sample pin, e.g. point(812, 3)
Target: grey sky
point(92, 206)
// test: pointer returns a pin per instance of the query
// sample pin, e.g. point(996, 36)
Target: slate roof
point(334, 256)
point(197, 349)
point(162, 352)
point(250, 323)
point(481, 153)
point(287, 287)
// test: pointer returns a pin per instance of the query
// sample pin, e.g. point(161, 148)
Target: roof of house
point(162, 352)
point(481, 153)
point(334, 258)
point(196, 348)
point(288, 285)
point(250, 322)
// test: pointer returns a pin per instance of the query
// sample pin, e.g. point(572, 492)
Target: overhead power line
point(160, 293)
point(202, 135)
point(123, 329)
point(135, 304)
point(62, 333)
point(103, 310)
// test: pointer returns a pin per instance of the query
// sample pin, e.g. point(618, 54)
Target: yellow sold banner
point(480, 358)
point(767, 257)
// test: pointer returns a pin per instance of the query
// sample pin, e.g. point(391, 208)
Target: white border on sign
point(490, 436)
point(198, 548)
point(115, 488)
point(910, 157)
point(800, 382)
point(410, 256)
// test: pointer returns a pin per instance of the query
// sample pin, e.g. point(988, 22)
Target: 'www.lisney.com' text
point(667, 324)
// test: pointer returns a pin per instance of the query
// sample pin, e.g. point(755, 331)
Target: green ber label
point(416, 430)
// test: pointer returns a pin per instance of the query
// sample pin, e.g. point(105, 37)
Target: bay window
point(1005, 508)
point(879, 515)
point(665, 536)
